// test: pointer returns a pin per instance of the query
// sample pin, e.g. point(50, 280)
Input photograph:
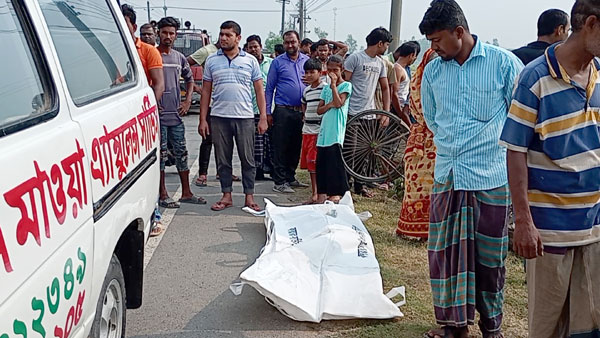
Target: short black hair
point(313, 48)
point(306, 41)
point(581, 11)
point(408, 48)
point(550, 20)
point(129, 12)
point(321, 42)
point(378, 35)
point(279, 49)
point(168, 21)
point(313, 64)
point(147, 25)
point(229, 24)
point(292, 32)
point(254, 37)
point(335, 59)
point(443, 15)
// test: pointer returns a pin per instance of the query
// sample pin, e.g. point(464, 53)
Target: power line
point(355, 6)
point(219, 9)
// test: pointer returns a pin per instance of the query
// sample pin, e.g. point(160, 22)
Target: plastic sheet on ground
point(319, 263)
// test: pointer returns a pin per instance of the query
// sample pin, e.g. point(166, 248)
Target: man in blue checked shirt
point(466, 94)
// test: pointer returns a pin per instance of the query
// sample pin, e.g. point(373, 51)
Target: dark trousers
point(225, 131)
point(287, 143)
point(205, 150)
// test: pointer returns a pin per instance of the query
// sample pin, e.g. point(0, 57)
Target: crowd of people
point(489, 128)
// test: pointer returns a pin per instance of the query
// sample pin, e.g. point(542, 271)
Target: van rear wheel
point(109, 321)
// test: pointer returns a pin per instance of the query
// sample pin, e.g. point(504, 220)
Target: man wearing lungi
point(466, 94)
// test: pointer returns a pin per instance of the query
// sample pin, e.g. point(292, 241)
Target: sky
point(512, 22)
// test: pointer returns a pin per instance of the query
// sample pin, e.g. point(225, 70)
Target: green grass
point(404, 262)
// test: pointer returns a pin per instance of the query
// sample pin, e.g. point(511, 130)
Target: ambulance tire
point(109, 321)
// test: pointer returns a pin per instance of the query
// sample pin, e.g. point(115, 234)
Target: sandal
point(156, 229)
point(201, 181)
point(220, 206)
point(366, 193)
point(169, 203)
point(442, 332)
point(193, 200)
point(254, 207)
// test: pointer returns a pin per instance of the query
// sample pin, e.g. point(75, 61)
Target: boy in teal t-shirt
point(331, 174)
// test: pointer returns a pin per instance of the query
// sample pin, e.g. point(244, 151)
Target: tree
point(351, 43)
point(496, 43)
point(321, 33)
point(271, 41)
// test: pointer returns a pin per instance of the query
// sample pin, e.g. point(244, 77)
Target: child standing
point(331, 174)
point(312, 122)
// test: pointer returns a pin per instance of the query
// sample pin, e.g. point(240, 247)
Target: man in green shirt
point(262, 143)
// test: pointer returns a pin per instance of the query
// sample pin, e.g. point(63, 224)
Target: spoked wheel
point(373, 152)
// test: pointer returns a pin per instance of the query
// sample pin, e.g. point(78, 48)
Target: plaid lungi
point(468, 244)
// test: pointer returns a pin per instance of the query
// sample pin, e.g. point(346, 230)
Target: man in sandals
point(171, 109)
point(230, 74)
point(466, 93)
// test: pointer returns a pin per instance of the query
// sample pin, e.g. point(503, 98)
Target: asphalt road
point(190, 267)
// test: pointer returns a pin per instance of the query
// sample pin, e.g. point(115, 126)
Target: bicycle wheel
point(374, 153)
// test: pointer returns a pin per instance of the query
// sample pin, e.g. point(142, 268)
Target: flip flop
point(254, 207)
point(193, 200)
point(156, 229)
point(201, 181)
point(220, 206)
point(168, 203)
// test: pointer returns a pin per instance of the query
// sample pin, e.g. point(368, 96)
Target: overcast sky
point(512, 22)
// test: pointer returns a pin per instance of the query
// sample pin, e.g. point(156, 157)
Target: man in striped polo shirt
point(466, 94)
point(553, 145)
point(232, 73)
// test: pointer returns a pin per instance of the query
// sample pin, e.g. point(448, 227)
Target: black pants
point(287, 143)
point(205, 150)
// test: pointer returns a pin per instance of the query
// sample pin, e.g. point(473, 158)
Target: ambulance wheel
point(109, 321)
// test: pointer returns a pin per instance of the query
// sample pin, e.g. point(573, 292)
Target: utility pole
point(302, 19)
point(395, 24)
point(283, 2)
point(165, 7)
point(334, 22)
point(148, 8)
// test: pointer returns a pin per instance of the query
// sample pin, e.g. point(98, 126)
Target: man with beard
point(286, 80)
point(171, 125)
point(147, 34)
point(365, 70)
point(262, 142)
point(323, 50)
point(232, 73)
point(466, 93)
point(553, 169)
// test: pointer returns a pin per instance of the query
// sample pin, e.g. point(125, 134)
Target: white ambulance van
point(79, 133)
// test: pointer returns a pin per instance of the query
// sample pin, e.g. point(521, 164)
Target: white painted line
point(167, 218)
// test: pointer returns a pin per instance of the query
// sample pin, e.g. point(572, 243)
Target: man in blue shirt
point(466, 94)
point(553, 27)
point(286, 80)
point(230, 74)
point(552, 137)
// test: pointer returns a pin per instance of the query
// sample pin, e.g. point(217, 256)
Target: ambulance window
point(26, 92)
point(91, 48)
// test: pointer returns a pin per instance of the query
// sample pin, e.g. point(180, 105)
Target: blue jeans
point(176, 136)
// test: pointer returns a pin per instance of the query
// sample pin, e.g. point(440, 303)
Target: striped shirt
point(465, 107)
point(175, 66)
point(555, 121)
point(232, 82)
point(311, 99)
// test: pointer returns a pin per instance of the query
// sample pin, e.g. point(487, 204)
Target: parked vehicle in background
point(188, 41)
point(79, 133)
